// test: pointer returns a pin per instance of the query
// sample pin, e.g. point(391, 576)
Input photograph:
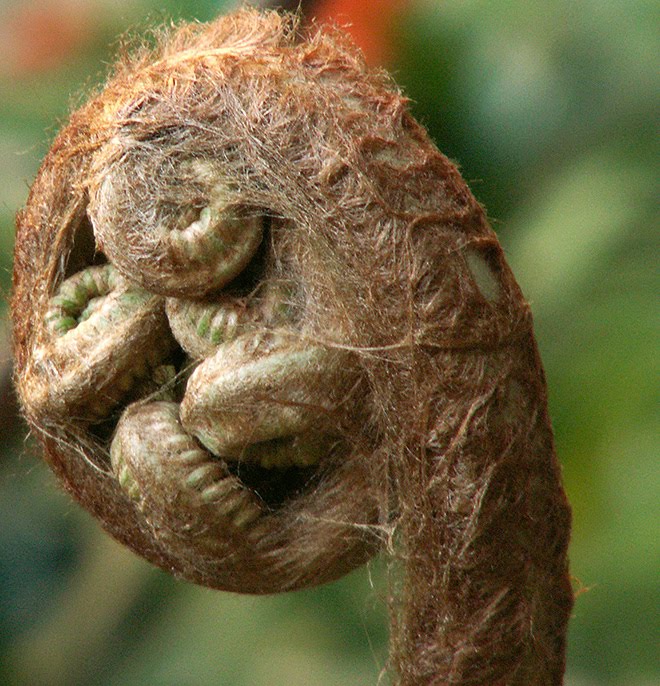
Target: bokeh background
point(550, 110)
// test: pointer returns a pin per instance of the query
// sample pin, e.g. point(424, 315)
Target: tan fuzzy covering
point(450, 463)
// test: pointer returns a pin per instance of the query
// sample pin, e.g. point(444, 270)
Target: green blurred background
point(549, 108)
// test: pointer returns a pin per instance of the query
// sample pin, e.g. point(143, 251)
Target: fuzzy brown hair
point(447, 459)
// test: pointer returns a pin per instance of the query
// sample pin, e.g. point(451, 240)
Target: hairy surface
point(441, 450)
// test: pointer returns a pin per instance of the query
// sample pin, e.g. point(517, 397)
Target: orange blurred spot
point(43, 34)
point(371, 24)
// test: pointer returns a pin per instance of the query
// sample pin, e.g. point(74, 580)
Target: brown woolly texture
point(446, 454)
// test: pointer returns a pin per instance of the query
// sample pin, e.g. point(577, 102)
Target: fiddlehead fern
point(402, 364)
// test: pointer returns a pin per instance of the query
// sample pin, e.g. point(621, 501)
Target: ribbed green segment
point(92, 306)
point(217, 335)
point(204, 324)
point(64, 324)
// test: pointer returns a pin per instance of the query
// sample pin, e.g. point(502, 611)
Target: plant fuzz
point(263, 329)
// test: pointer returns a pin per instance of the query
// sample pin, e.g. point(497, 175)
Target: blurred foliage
point(550, 110)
